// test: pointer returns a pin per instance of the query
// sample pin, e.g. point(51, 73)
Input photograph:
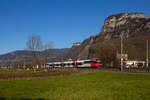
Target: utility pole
point(121, 56)
point(147, 53)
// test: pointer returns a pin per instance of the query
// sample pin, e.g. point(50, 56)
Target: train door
point(74, 63)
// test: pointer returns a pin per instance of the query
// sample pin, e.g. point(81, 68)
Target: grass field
point(92, 86)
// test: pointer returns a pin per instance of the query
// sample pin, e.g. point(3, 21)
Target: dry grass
point(27, 75)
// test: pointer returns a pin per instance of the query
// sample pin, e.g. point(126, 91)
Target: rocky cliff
point(127, 24)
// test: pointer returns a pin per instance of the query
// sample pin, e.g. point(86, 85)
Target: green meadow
point(92, 86)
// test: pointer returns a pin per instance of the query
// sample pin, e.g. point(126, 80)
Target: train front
point(95, 63)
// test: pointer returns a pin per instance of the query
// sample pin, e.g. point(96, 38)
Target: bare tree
point(34, 44)
point(106, 52)
point(47, 52)
point(20, 63)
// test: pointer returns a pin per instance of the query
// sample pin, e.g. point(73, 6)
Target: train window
point(68, 64)
point(57, 64)
point(73, 63)
point(89, 62)
point(79, 63)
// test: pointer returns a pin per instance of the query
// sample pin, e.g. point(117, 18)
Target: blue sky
point(61, 21)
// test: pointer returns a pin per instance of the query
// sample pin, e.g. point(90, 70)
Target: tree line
point(106, 51)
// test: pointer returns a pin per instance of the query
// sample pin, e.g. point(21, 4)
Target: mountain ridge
point(15, 56)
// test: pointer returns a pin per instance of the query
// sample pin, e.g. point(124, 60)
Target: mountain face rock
point(127, 25)
point(84, 52)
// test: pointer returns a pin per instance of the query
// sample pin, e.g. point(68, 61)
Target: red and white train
point(77, 64)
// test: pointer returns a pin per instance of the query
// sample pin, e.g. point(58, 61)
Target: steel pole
point(147, 53)
point(121, 53)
